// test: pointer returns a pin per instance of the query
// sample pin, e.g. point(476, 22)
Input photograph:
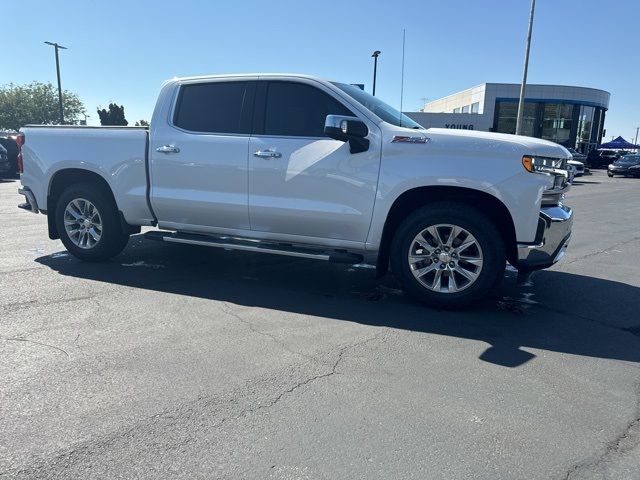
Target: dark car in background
point(602, 158)
point(577, 156)
point(5, 165)
point(628, 166)
point(8, 141)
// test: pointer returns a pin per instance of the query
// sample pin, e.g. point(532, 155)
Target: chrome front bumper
point(552, 239)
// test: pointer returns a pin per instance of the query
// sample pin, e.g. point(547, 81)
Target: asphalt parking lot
point(182, 362)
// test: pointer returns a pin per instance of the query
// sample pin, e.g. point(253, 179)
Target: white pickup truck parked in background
point(295, 165)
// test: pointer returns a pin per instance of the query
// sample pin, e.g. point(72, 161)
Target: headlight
point(544, 165)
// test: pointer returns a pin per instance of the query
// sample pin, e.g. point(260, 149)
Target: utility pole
point(375, 69)
point(524, 73)
point(635, 142)
point(57, 47)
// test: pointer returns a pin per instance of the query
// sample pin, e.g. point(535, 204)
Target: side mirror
point(348, 129)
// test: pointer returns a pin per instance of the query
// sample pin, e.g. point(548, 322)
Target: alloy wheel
point(83, 223)
point(445, 258)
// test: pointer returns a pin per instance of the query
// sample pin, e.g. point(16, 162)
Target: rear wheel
point(88, 223)
point(448, 255)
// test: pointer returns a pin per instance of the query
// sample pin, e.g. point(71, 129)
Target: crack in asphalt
point(333, 371)
point(623, 443)
point(12, 307)
point(227, 309)
point(26, 340)
point(67, 459)
point(599, 252)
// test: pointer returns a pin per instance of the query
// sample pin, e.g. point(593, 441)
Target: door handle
point(267, 154)
point(168, 149)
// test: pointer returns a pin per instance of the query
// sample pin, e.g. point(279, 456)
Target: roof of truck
point(227, 75)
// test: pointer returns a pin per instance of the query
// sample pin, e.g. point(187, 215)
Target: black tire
point(112, 239)
point(486, 234)
point(610, 175)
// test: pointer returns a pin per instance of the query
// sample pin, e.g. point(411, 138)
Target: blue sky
point(122, 51)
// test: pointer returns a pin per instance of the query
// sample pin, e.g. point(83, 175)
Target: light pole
point(524, 73)
point(375, 69)
point(635, 142)
point(57, 47)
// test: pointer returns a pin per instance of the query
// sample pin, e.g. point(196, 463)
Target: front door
point(302, 182)
point(199, 158)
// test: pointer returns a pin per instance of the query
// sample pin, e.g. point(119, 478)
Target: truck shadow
point(556, 311)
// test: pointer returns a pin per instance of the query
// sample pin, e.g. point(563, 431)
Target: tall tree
point(36, 103)
point(113, 116)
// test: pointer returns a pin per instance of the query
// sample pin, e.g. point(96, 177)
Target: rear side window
point(212, 107)
point(299, 110)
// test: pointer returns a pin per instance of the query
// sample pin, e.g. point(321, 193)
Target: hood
point(505, 143)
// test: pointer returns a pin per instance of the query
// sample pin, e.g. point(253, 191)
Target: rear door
point(301, 182)
point(199, 157)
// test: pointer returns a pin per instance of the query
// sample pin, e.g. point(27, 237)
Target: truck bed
point(117, 154)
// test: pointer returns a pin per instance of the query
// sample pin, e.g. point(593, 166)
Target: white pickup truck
point(296, 165)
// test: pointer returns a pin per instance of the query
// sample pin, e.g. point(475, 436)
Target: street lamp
point(57, 47)
point(375, 69)
point(524, 73)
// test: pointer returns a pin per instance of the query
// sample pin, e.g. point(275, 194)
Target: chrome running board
point(252, 245)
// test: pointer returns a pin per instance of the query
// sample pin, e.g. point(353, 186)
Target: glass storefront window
point(475, 107)
point(465, 109)
point(572, 125)
point(556, 122)
point(508, 113)
point(585, 125)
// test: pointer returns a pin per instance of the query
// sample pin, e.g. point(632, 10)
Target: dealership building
point(571, 116)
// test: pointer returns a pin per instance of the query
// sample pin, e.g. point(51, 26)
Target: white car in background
point(575, 169)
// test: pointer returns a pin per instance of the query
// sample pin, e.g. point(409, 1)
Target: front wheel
point(88, 223)
point(610, 175)
point(448, 255)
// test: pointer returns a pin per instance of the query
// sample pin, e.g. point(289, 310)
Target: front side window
point(211, 107)
point(299, 110)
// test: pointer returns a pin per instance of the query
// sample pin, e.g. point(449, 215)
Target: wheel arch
point(418, 197)
point(64, 178)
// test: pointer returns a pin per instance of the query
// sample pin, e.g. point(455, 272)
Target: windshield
point(629, 159)
point(384, 111)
